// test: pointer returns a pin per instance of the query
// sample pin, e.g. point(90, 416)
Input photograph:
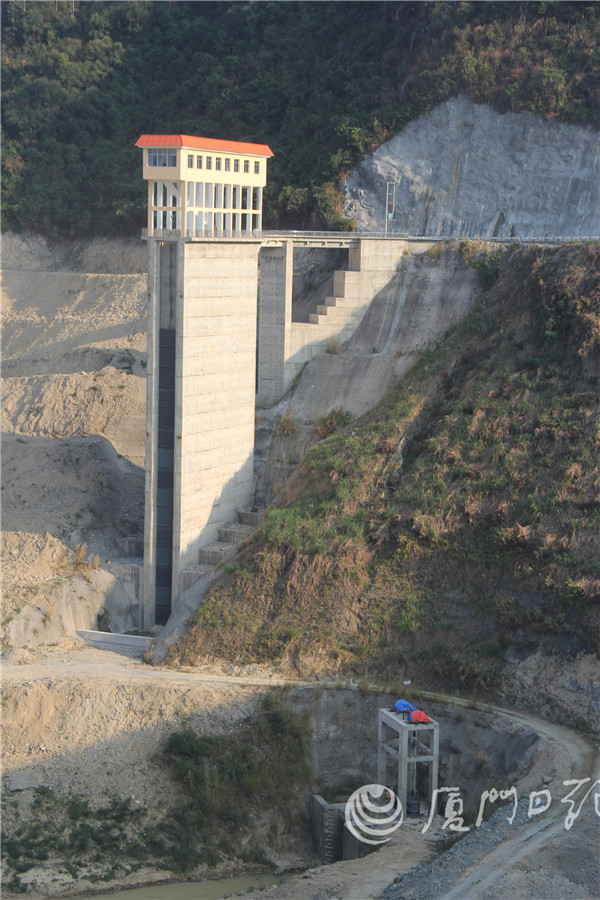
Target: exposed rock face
point(467, 171)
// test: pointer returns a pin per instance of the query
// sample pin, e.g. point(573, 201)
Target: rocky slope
point(452, 530)
point(467, 171)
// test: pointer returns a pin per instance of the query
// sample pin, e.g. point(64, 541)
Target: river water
point(193, 890)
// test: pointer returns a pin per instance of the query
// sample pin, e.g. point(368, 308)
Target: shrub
point(337, 418)
point(285, 425)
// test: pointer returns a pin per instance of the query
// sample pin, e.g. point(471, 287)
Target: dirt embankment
point(92, 725)
point(89, 723)
point(73, 422)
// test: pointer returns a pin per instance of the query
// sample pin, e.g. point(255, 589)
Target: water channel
point(193, 890)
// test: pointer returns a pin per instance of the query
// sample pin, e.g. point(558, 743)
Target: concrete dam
point(205, 377)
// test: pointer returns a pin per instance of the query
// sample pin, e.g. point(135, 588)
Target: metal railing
point(208, 234)
point(202, 234)
point(407, 236)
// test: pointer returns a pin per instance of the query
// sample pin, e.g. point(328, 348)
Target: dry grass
point(459, 518)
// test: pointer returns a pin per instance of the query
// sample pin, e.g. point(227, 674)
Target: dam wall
point(284, 346)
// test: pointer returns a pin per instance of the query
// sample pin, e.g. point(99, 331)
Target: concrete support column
point(402, 791)
point(182, 213)
point(150, 208)
point(248, 191)
point(215, 384)
point(433, 769)
point(381, 754)
point(274, 320)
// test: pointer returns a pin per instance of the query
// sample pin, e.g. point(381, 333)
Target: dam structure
point(220, 341)
point(204, 217)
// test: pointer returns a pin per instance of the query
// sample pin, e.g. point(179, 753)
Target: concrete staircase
point(230, 537)
point(372, 265)
point(347, 304)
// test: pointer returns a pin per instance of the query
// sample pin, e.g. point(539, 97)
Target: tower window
point(162, 157)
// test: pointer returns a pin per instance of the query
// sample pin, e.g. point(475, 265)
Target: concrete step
point(341, 302)
point(217, 553)
point(235, 534)
point(333, 316)
point(106, 640)
point(254, 516)
point(338, 313)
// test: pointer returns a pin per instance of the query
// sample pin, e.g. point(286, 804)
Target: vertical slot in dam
point(166, 432)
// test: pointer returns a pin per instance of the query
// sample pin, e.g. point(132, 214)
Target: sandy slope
point(73, 414)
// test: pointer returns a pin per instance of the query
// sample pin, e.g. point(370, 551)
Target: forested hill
point(322, 83)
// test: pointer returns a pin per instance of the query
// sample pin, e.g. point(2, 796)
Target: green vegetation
point(457, 521)
point(227, 784)
point(337, 418)
point(230, 779)
point(91, 843)
point(322, 83)
point(286, 425)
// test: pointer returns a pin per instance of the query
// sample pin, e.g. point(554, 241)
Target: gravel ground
point(510, 869)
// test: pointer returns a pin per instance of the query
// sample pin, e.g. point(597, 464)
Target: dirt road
point(112, 711)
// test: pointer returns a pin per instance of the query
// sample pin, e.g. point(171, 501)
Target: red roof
point(201, 143)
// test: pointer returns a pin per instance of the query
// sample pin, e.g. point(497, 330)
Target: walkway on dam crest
point(350, 238)
point(345, 239)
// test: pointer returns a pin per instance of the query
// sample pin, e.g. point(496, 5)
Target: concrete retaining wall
point(284, 347)
point(372, 264)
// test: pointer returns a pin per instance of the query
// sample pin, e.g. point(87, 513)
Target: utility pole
point(390, 203)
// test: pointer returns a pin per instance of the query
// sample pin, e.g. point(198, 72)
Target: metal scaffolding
point(408, 756)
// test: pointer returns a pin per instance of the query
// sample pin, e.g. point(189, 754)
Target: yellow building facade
point(202, 187)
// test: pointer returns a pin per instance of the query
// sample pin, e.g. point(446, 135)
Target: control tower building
point(204, 227)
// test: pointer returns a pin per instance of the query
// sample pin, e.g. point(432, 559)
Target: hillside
point(323, 84)
point(465, 170)
point(453, 530)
